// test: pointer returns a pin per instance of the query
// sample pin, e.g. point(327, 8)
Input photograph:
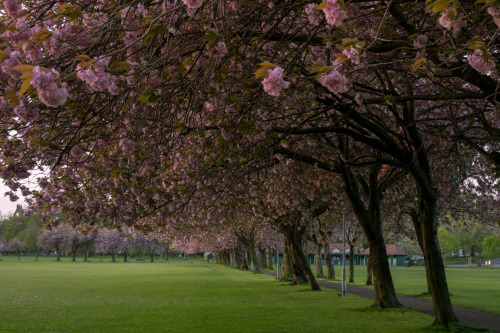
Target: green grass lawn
point(474, 287)
point(176, 297)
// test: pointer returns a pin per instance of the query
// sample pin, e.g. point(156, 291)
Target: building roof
point(392, 250)
point(338, 247)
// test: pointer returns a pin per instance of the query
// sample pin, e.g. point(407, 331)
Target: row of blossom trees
point(64, 237)
point(14, 245)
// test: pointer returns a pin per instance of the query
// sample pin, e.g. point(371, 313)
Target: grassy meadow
point(50, 296)
point(472, 287)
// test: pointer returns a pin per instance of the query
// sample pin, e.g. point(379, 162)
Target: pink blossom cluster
point(193, 4)
point(48, 90)
point(12, 61)
point(274, 83)
point(218, 51)
point(334, 14)
point(32, 53)
point(495, 12)
point(352, 54)
point(12, 7)
point(447, 17)
point(97, 78)
point(313, 15)
point(335, 82)
point(25, 114)
point(480, 62)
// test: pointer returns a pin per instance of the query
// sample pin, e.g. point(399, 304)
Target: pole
point(277, 256)
point(344, 285)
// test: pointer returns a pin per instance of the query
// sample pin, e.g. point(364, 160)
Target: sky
point(8, 207)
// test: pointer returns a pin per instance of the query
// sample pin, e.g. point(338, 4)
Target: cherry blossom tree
point(136, 107)
point(17, 246)
point(108, 241)
point(55, 238)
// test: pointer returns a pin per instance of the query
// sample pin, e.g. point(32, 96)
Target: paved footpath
point(466, 316)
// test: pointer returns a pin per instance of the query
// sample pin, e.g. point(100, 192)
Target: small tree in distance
point(449, 244)
point(16, 246)
point(491, 246)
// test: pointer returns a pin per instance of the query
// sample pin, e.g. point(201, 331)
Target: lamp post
point(344, 284)
point(277, 256)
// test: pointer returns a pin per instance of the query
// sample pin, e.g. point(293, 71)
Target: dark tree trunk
point(371, 222)
point(351, 263)
point(58, 256)
point(236, 259)
point(74, 256)
point(254, 261)
point(113, 257)
point(152, 257)
point(418, 232)
point(299, 265)
point(269, 258)
point(247, 240)
point(86, 255)
point(286, 271)
point(262, 257)
point(243, 263)
point(420, 169)
point(385, 294)
point(434, 267)
point(330, 269)
point(318, 260)
point(369, 273)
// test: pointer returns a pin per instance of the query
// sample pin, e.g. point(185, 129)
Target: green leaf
point(439, 5)
point(148, 96)
point(24, 87)
point(418, 63)
point(23, 68)
point(476, 43)
point(261, 73)
point(321, 6)
point(321, 70)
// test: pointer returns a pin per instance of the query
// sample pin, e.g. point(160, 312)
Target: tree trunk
point(254, 261)
point(371, 222)
point(113, 257)
point(385, 294)
point(269, 258)
point(299, 265)
point(369, 273)
point(286, 271)
point(351, 263)
point(330, 269)
point(318, 260)
point(420, 169)
point(124, 256)
point(434, 267)
point(418, 231)
point(152, 257)
point(86, 255)
point(58, 256)
point(262, 257)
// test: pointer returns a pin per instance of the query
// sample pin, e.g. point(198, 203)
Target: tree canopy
point(163, 114)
